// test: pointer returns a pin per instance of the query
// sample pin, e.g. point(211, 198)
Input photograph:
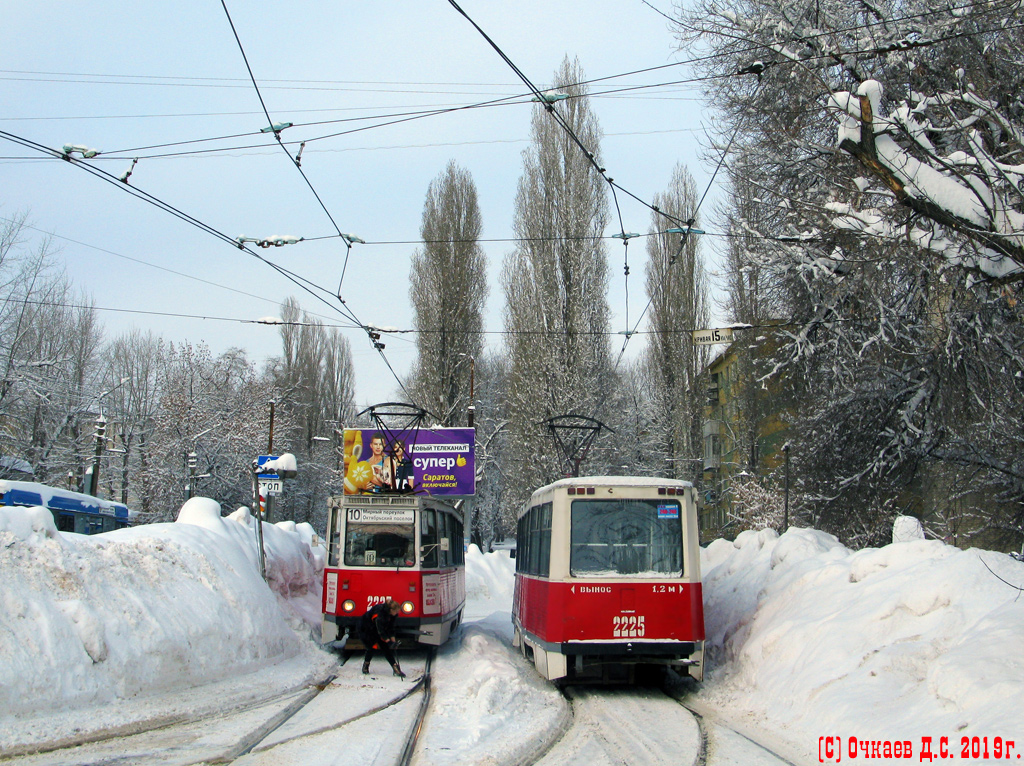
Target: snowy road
point(639, 726)
point(626, 726)
point(489, 707)
point(301, 726)
point(357, 719)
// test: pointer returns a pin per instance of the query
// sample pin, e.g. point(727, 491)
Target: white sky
point(117, 75)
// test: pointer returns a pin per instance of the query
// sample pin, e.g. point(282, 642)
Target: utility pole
point(472, 401)
point(785, 512)
point(270, 441)
point(101, 434)
point(192, 458)
point(258, 517)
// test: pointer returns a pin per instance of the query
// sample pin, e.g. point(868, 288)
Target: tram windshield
point(379, 545)
point(613, 537)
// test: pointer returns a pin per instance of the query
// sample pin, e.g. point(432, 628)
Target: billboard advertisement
point(437, 461)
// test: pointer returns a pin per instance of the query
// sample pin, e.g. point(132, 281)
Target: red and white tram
point(405, 547)
point(608, 578)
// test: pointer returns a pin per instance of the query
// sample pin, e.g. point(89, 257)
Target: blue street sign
point(260, 460)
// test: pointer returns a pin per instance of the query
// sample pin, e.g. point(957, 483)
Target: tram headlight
point(407, 607)
point(348, 605)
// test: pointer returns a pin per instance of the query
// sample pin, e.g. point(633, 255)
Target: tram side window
point(545, 540)
point(626, 537)
point(533, 540)
point(65, 522)
point(334, 538)
point(428, 539)
point(522, 545)
point(444, 538)
point(457, 542)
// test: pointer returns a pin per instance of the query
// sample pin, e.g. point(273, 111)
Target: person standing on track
point(377, 632)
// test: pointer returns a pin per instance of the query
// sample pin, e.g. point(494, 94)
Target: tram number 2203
point(627, 626)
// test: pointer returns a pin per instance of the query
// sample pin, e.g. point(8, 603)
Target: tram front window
point(379, 545)
point(640, 538)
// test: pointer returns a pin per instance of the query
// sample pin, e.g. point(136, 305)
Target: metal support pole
point(101, 432)
point(472, 400)
point(270, 439)
point(785, 513)
point(259, 519)
point(191, 475)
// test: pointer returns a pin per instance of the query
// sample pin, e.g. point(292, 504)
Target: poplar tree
point(677, 287)
point(448, 290)
point(556, 281)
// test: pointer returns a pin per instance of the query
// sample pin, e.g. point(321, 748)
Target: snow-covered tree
point(131, 370)
point(448, 291)
point(877, 152)
point(494, 509)
point(314, 390)
point(677, 288)
point(49, 339)
point(755, 504)
point(555, 283)
point(215, 407)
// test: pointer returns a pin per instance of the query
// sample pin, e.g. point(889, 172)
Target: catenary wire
point(303, 283)
point(153, 265)
point(348, 242)
point(178, 315)
point(510, 99)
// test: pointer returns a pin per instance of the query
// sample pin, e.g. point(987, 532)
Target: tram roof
point(614, 481)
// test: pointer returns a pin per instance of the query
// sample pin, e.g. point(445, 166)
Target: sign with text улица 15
point(438, 461)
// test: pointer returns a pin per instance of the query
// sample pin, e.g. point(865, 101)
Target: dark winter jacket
point(377, 625)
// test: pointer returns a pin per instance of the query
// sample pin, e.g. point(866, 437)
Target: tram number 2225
point(628, 626)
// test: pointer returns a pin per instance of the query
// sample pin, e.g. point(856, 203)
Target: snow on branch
point(967, 191)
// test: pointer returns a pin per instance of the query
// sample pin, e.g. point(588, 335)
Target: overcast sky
point(122, 77)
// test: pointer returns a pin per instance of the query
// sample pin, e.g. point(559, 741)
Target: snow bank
point(488, 700)
point(149, 609)
point(913, 639)
point(490, 577)
point(29, 524)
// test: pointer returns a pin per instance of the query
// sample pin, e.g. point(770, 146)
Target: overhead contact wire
point(348, 243)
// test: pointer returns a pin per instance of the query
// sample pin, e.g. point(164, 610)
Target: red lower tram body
point(586, 628)
point(431, 601)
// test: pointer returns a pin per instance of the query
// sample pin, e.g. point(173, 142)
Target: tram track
point(624, 726)
point(636, 726)
point(409, 748)
point(718, 734)
point(63, 749)
point(287, 746)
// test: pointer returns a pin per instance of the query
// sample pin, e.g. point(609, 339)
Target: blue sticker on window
point(668, 511)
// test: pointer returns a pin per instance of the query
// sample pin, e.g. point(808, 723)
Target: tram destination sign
point(381, 515)
point(438, 461)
